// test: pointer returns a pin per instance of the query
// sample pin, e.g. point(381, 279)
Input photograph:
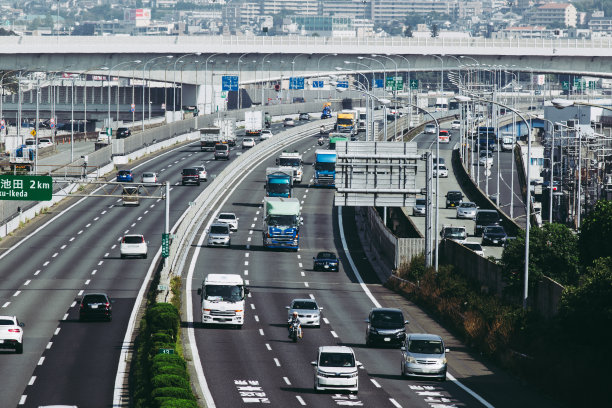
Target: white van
point(336, 369)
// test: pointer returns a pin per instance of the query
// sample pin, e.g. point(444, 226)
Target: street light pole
point(239, 74)
point(144, 67)
point(109, 89)
point(319, 68)
point(174, 83)
point(263, 60)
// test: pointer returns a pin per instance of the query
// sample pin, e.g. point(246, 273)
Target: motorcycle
point(295, 331)
point(322, 130)
point(320, 141)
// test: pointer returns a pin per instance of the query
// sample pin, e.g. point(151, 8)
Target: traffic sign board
point(395, 83)
point(296, 83)
point(165, 351)
point(379, 83)
point(33, 132)
point(165, 245)
point(317, 84)
point(27, 188)
point(342, 84)
point(132, 108)
point(229, 83)
point(2, 124)
point(414, 84)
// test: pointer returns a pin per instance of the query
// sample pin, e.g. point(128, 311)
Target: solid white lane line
point(395, 403)
point(300, 400)
point(333, 333)
point(277, 362)
point(287, 381)
point(268, 347)
point(376, 384)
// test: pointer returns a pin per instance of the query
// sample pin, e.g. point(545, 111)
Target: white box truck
point(209, 137)
point(223, 299)
point(253, 123)
point(294, 161)
point(228, 130)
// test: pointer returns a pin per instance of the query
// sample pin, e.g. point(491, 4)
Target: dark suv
point(454, 199)
point(96, 306)
point(386, 326)
point(123, 132)
point(190, 176)
point(485, 218)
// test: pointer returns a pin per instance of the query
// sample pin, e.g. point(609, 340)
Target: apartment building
point(551, 13)
point(303, 7)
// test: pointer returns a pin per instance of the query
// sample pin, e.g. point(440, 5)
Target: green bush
point(169, 369)
point(163, 317)
point(169, 380)
point(161, 337)
point(167, 359)
point(178, 403)
point(174, 392)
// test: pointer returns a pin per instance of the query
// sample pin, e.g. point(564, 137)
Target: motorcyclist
point(322, 130)
point(321, 140)
point(295, 319)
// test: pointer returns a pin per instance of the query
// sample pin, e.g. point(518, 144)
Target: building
point(384, 11)
point(355, 9)
point(304, 7)
point(601, 26)
point(554, 13)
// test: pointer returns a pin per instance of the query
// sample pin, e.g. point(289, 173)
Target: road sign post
point(165, 245)
point(27, 188)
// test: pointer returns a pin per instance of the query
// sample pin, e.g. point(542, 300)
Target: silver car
point(424, 355)
point(419, 207)
point(467, 210)
point(229, 219)
point(219, 235)
point(308, 310)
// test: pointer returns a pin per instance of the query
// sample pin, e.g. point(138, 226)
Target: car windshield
point(189, 172)
point(304, 304)
point(326, 255)
point(148, 174)
point(221, 147)
point(495, 230)
point(468, 205)
point(248, 140)
point(442, 167)
point(219, 229)
point(337, 360)
point(430, 126)
point(230, 293)
point(421, 202)
point(124, 172)
point(473, 247)
point(487, 216)
point(227, 217)
point(325, 166)
point(133, 239)
point(454, 195)
point(281, 220)
point(387, 320)
point(94, 299)
point(425, 346)
point(291, 162)
point(343, 121)
point(454, 232)
point(279, 188)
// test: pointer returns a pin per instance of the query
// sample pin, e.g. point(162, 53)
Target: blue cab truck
point(325, 168)
point(279, 182)
point(281, 223)
point(487, 138)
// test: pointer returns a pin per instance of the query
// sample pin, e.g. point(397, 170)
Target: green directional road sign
point(565, 85)
point(165, 245)
point(28, 188)
point(394, 84)
point(414, 84)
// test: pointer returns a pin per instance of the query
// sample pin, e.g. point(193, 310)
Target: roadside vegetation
point(564, 356)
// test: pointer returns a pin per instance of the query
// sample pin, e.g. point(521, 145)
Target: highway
point(260, 365)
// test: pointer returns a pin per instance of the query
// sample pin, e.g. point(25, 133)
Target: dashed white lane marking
point(306, 190)
point(100, 263)
point(65, 316)
point(376, 384)
point(133, 225)
point(300, 400)
point(46, 263)
point(94, 271)
point(306, 284)
point(256, 318)
point(96, 219)
point(246, 282)
point(63, 246)
point(16, 293)
point(71, 239)
point(250, 232)
point(246, 271)
point(246, 254)
point(252, 306)
point(56, 331)
point(246, 263)
point(268, 347)
point(287, 381)
point(22, 400)
point(106, 254)
point(27, 282)
point(333, 333)
point(252, 225)
point(80, 232)
point(125, 232)
point(54, 255)
point(32, 380)
point(249, 239)
point(88, 225)
point(162, 170)
point(325, 320)
point(257, 212)
point(80, 292)
point(395, 403)
point(103, 212)
point(114, 246)
point(299, 256)
point(277, 362)
point(37, 272)
point(261, 332)
point(300, 264)
point(73, 304)
point(302, 273)
point(41, 361)
point(6, 304)
point(255, 219)
point(139, 218)
point(311, 295)
point(146, 212)
point(152, 205)
point(49, 344)
point(87, 281)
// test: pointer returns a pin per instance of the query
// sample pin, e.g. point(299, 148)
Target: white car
point(202, 172)
point(467, 210)
point(133, 245)
point(486, 158)
point(44, 142)
point(474, 246)
point(229, 219)
point(440, 171)
point(103, 137)
point(248, 142)
point(430, 129)
point(308, 310)
point(149, 177)
point(420, 207)
point(11, 333)
point(336, 369)
point(265, 134)
point(456, 124)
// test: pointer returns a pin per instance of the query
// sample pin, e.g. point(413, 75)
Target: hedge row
point(160, 380)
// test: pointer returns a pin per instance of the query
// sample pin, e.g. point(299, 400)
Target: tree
point(435, 30)
point(595, 233)
point(553, 253)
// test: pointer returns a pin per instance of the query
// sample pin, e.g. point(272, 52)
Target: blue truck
point(279, 182)
point(325, 168)
point(487, 138)
point(281, 223)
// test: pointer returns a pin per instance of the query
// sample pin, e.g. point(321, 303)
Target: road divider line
point(246, 271)
point(54, 255)
point(22, 400)
point(32, 379)
point(27, 282)
point(94, 271)
point(56, 332)
point(334, 335)
point(37, 272)
point(311, 295)
point(73, 304)
point(306, 284)
point(16, 293)
point(88, 225)
point(65, 316)
point(71, 239)
point(287, 381)
point(376, 384)
point(256, 318)
point(261, 332)
point(80, 292)
point(300, 264)
point(252, 306)
point(49, 344)
point(268, 347)
point(6, 304)
point(106, 255)
point(46, 263)
point(41, 361)
point(302, 273)
point(277, 362)
point(300, 400)
point(395, 403)
point(63, 246)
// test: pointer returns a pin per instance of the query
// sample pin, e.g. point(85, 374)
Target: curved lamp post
point(174, 83)
point(109, 87)
point(144, 84)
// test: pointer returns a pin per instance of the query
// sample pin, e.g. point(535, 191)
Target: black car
point(485, 218)
point(385, 326)
point(190, 176)
point(123, 132)
point(96, 306)
point(494, 235)
point(454, 198)
point(325, 261)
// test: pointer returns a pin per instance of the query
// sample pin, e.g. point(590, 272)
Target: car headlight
point(410, 360)
point(321, 373)
point(443, 360)
point(355, 374)
point(373, 330)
